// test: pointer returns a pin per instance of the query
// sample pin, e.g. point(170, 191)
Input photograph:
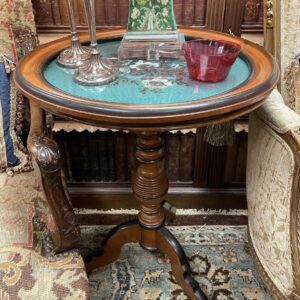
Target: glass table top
point(142, 82)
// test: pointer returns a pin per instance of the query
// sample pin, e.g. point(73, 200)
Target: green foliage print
point(151, 15)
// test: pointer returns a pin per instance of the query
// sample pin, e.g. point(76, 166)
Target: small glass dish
point(210, 60)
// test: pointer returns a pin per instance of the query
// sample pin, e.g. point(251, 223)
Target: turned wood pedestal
point(150, 186)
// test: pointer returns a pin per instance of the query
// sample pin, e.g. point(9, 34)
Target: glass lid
point(142, 82)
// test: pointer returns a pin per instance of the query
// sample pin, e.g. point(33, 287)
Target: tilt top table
point(148, 98)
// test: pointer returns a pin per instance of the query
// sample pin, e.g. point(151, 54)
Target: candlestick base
point(74, 56)
point(95, 71)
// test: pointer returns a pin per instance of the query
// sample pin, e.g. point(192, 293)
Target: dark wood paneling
point(109, 156)
point(201, 161)
point(109, 196)
point(217, 161)
point(234, 14)
point(200, 175)
point(235, 163)
point(215, 10)
point(51, 16)
point(253, 16)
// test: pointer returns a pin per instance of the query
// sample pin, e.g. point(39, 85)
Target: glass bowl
point(210, 60)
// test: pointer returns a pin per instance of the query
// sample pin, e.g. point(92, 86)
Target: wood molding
point(293, 140)
point(272, 27)
point(108, 197)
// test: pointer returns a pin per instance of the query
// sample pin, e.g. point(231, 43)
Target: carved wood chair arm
point(48, 157)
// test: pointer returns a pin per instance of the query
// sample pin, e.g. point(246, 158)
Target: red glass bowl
point(210, 60)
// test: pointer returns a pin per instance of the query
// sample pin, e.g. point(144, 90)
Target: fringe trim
point(9, 64)
point(15, 126)
point(289, 84)
point(70, 126)
point(230, 212)
point(104, 229)
point(3, 158)
point(292, 85)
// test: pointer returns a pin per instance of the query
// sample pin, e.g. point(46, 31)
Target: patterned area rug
point(219, 258)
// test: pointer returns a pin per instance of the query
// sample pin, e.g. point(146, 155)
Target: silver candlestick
point(95, 70)
point(74, 56)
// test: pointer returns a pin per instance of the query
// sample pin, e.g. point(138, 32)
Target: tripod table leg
point(168, 245)
point(129, 232)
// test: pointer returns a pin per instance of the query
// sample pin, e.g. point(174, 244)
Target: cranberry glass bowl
point(210, 60)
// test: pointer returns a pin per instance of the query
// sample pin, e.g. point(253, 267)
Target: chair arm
point(48, 157)
point(275, 113)
point(273, 187)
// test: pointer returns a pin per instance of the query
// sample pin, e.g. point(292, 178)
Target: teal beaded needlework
point(151, 15)
point(143, 82)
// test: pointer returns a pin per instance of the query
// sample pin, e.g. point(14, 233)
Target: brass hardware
point(269, 14)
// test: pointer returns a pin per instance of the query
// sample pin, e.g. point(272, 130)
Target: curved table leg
point(129, 232)
point(168, 245)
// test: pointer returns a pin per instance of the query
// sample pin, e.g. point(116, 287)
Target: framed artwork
point(151, 15)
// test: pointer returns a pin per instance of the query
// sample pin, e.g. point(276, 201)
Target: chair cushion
point(15, 15)
point(25, 219)
point(24, 274)
point(25, 226)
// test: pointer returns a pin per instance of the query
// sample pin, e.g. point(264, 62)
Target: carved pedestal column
point(150, 182)
point(150, 186)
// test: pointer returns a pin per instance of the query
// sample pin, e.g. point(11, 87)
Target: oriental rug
point(219, 258)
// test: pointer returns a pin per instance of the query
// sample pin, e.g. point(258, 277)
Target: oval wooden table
point(148, 98)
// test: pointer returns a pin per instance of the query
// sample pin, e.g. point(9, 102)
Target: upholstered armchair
point(35, 262)
point(28, 267)
point(273, 195)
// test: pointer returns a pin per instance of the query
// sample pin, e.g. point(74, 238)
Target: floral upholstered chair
point(30, 236)
point(28, 267)
point(273, 195)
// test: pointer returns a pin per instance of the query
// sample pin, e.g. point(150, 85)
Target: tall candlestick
point(75, 55)
point(94, 71)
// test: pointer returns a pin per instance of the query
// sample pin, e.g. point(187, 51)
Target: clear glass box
point(151, 46)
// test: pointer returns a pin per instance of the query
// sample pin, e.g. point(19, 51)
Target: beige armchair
point(273, 194)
